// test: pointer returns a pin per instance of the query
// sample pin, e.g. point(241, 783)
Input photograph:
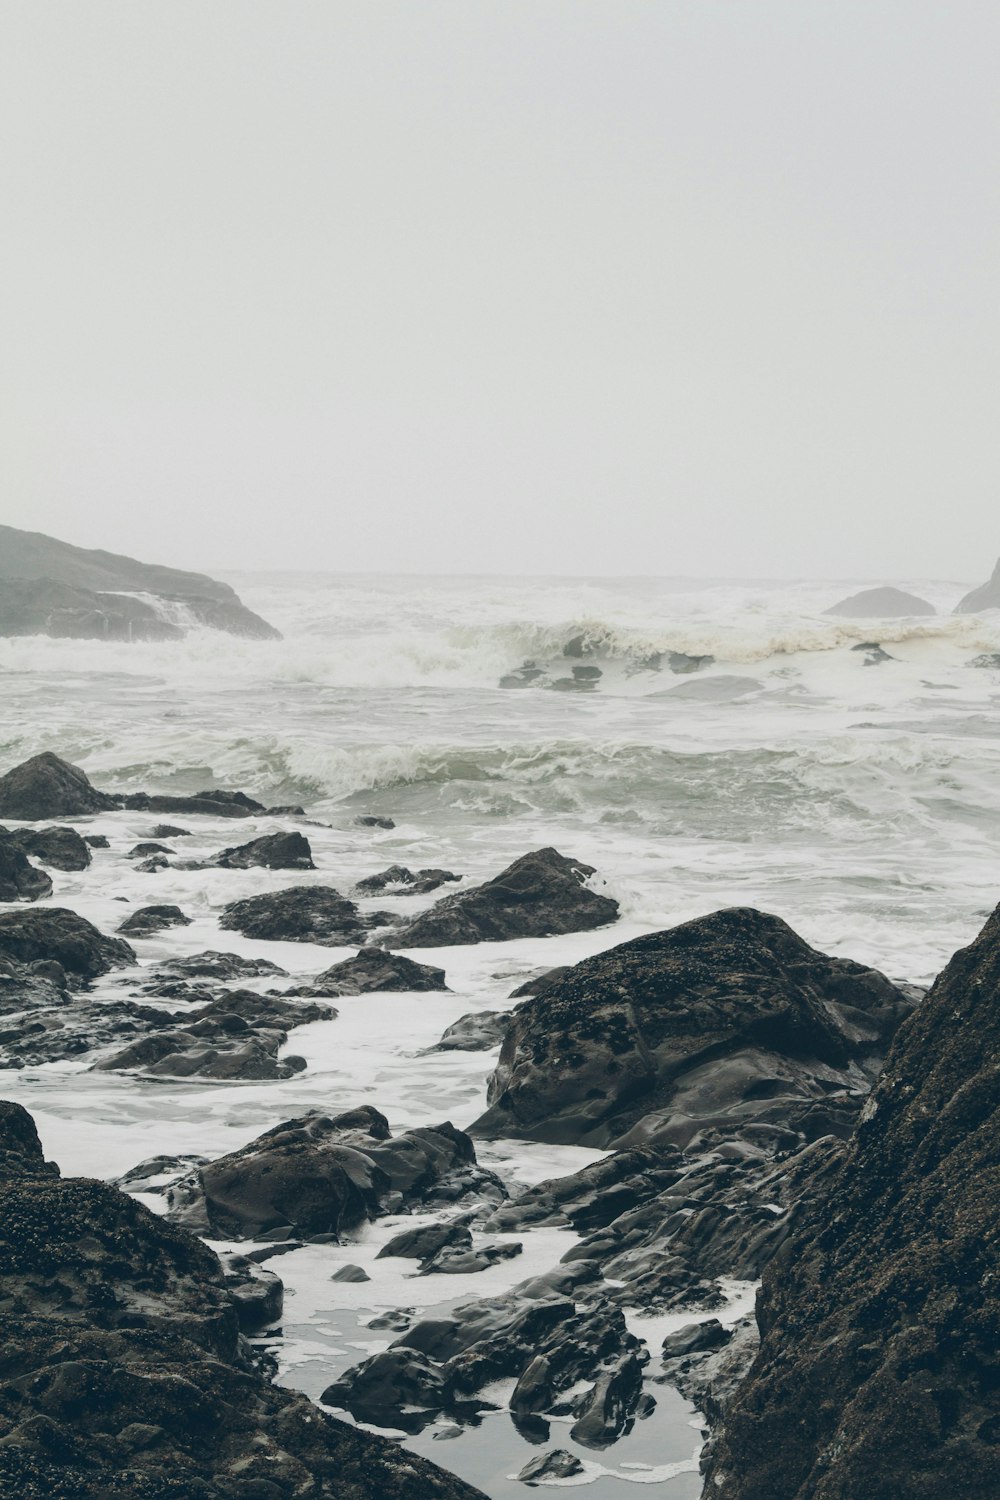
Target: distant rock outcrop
point(987, 596)
point(48, 587)
point(881, 603)
point(878, 1369)
point(728, 1024)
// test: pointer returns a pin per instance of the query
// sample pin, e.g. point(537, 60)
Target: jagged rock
point(696, 1338)
point(302, 914)
point(155, 1173)
point(540, 894)
point(727, 1022)
point(404, 882)
point(556, 1464)
point(881, 603)
point(986, 596)
point(317, 1175)
point(479, 1031)
point(72, 941)
point(275, 851)
point(19, 879)
point(62, 848)
point(47, 787)
point(373, 969)
point(147, 920)
point(877, 1369)
point(125, 1373)
point(257, 1294)
point(373, 820)
point(611, 1404)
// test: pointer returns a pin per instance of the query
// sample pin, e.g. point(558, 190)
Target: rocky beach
point(459, 1038)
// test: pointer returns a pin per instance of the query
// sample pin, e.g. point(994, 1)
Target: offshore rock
point(726, 1024)
point(540, 894)
point(878, 1372)
point(301, 914)
point(987, 596)
point(48, 787)
point(881, 603)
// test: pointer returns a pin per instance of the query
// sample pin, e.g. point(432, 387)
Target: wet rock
point(986, 596)
point(125, 1372)
point(66, 1030)
point(155, 1173)
point(540, 894)
point(398, 1388)
point(875, 1375)
point(61, 848)
point(96, 840)
point(478, 1031)
point(727, 1022)
point(610, 1406)
point(169, 831)
point(211, 803)
point(19, 879)
point(257, 1294)
point(522, 676)
point(874, 654)
point(373, 969)
point(696, 1338)
point(302, 914)
point(464, 1261)
point(275, 851)
point(556, 1464)
point(317, 1175)
point(147, 920)
point(881, 603)
point(351, 1273)
point(400, 881)
point(213, 965)
point(396, 1320)
point(425, 1241)
point(72, 941)
point(681, 662)
point(373, 820)
point(153, 865)
point(147, 848)
point(47, 787)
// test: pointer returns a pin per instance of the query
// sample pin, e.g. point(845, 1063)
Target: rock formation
point(881, 603)
point(987, 596)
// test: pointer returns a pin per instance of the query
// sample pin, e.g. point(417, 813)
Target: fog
point(639, 286)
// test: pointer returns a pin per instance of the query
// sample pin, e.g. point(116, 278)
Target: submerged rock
point(275, 851)
point(55, 933)
point(47, 787)
point(881, 603)
point(874, 654)
point(540, 894)
point(301, 914)
point(877, 1368)
point(728, 1022)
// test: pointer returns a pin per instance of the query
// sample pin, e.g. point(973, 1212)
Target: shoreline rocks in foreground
point(124, 1370)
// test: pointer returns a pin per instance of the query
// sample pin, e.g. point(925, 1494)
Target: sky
point(703, 287)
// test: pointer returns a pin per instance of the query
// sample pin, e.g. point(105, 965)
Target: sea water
point(859, 801)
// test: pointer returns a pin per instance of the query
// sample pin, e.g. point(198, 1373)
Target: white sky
point(637, 286)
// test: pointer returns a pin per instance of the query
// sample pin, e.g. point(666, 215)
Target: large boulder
point(317, 1175)
point(62, 848)
point(986, 596)
point(210, 803)
point(19, 879)
point(146, 921)
point(728, 1023)
point(274, 851)
point(124, 1370)
point(55, 933)
point(879, 1369)
point(881, 603)
point(53, 588)
point(48, 787)
point(373, 969)
point(539, 895)
point(301, 914)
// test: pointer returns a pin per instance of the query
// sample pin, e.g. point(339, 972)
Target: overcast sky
point(623, 286)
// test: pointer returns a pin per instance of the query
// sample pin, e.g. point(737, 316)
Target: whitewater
point(857, 796)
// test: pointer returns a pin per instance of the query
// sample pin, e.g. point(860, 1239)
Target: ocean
point(854, 793)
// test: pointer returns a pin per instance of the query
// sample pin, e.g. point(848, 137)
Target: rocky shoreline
point(764, 1110)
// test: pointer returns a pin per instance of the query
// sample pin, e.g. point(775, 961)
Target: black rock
point(373, 969)
point(426, 1240)
point(96, 841)
point(611, 1404)
point(351, 1273)
point(169, 831)
point(62, 848)
point(147, 848)
point(212, 965)
point(19, 879)
point(373, 820)
point(72, 941)
point(556, 1464)
point(258, 1295)
point(540, 894)
point(479, 1031)
point(275, 851)
point(696, 1338)
point(404, 882)
point(47, 787)
point(882, 603)
point(147, 920)
point(214, 804)
point(874, 654)
point(302, 914)
point(725, 1022)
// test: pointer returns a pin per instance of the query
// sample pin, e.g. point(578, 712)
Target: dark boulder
point(986, 596)
point(373, 969)
point(556, 1464)
point(373, 820)
point(874, 654)
point(426, 1240)
point(62, 848)
point(47, 787)
point(479, 1031)
point(55, 933)
point(400, 881)
point(146, 848)
point(539, 895)
point(96, 841)
point(21, 1152)
point(881, 603)
point(301, 914)
point(726, 1022)
point(696, 1338)
point(147, 920)
point(275, 851)
point(877, 1372)
point(213, 965)
point(213, 804)
point(20, 880)
point(610, 1406)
